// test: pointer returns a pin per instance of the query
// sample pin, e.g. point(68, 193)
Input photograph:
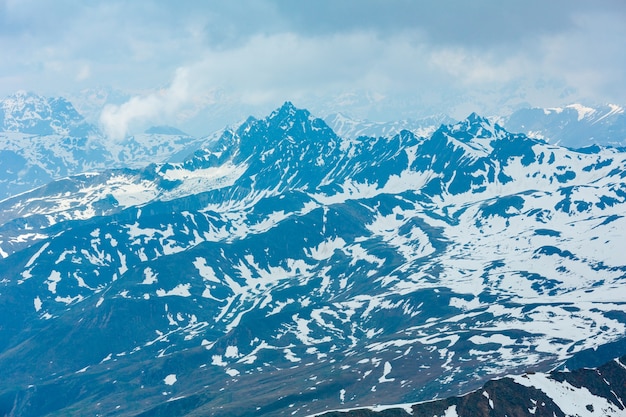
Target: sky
point(199, 65)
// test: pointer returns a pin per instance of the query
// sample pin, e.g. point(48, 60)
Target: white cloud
point(84, 72)
point(269, 69)
point(435, 62)
point(158, 106)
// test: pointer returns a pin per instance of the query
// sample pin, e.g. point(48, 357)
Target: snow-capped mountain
point(43, 139)
point(285, 270)
point(351, 128)
point(574, 126)
point(29, 113)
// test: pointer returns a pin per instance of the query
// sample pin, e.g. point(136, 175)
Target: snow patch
point(232, 352)
point(170, 379)
point(386, 372)
point(149, 277)
point(181, 290)
point(37, 303)
point(582, 110)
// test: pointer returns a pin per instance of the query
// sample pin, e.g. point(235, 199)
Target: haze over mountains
point(292, 265)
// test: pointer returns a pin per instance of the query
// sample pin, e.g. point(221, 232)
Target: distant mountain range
point(283, 269)
point(29, 113)
point(575, 126)
point(43, 139)
point(347, 127)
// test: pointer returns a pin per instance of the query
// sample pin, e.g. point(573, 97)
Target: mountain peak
point(288, 117)
point(286, 110)
point(475, 126)
point(289, 106)
point(24, 94)
point(475, 118)
point(582, 111)
point(20, 99)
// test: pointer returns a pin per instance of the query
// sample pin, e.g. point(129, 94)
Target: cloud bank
point(218, 61)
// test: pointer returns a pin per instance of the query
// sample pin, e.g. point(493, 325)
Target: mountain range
point(284, 269)
point(43, 139)
point(574, 126)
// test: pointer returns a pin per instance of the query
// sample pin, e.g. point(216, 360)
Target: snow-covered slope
point(285, 270)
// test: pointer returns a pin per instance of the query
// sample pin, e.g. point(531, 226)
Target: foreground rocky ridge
point(584, 392)
point(285, 270)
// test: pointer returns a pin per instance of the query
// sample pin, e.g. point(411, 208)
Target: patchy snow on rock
point(37, 303)
point(150, 277)
point(217, 360)
point(231, 352)
point(571, 400)
point(386, 372)
point(170, 379)
point(53, 280)
point(181, 290)
point(206, 271)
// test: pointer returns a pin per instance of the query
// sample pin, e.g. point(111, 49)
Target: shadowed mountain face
point(284, 270)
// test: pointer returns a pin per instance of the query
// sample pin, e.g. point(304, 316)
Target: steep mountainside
point(284, 270)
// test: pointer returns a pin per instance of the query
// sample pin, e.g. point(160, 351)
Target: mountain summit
point(282, 269)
